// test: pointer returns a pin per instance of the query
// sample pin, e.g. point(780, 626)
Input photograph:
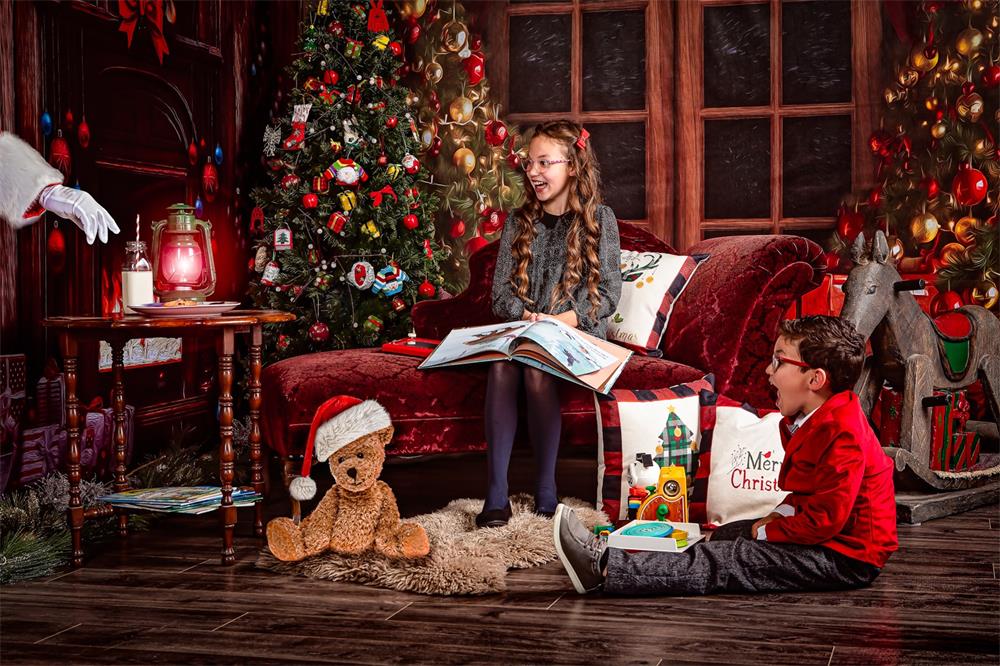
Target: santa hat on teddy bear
point(338, 422)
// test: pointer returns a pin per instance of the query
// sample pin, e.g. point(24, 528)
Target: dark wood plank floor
point(162, 597)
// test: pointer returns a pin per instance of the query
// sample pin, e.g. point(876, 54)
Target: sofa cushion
point(433, 411)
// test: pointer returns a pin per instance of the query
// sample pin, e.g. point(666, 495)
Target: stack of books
point(190, 499)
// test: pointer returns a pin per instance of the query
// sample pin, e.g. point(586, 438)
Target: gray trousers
point(733, 562)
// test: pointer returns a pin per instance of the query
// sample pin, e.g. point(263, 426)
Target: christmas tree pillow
point(664, 423)
point(738, 474)
point(651, 284)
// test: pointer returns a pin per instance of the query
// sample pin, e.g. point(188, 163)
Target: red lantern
point(209, 180)
point(411, 221)
point(426, 289)
point(849, 223)
point(457, 228)
point(969, 185)
point(496, 133)
point(83, 133)
point(475, 68)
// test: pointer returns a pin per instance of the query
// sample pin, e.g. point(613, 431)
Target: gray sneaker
point(579, 550)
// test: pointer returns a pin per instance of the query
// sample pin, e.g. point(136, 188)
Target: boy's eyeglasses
point(776, 362)
point(543, 165)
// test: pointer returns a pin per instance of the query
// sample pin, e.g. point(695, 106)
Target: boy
point(835, 529)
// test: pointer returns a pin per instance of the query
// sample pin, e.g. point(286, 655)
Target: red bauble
point(413, 32)
point(434, 101)
point(930, 186)
point(331, 77)
point(411, 221)
point(969, 185)
point(68, 121)
point(457, 228)
point(391, 122)
point(83, 133)
point(396, 48)
point(493, 221)
point(426, 289)
point(496, 132)
point(475, 244)
point(435, 148)
point(56, 251)
point(475, 42)
point(289, 181)
point(192, 153)
point(513, 160)
point(991, 77)
point(879, 143)
point(945, 302)
point(209, 180)
point(383, 159)
point(310, 200)
point(59, 155)
point(875, 197)
point(475, 68)
point(319, 332)
point(849, 223)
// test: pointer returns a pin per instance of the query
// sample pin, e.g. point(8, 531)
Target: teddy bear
point(359, 513)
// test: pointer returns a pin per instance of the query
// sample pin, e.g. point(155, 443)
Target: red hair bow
point(582, 141)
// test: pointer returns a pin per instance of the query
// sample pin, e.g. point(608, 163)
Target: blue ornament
point(46, 124)
point(218, 154)
point(199, 207)
point(253, 69)
point(76, 185)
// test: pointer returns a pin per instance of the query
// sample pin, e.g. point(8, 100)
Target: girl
point(559, 257)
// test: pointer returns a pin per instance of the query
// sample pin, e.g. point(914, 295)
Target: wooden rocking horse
point(912, 354)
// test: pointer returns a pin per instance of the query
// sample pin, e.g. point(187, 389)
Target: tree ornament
point(83, 133)
point(377, 20)
point(969, 41)
point(310, 200)
point(474, 244)
point(271, 273)
point(924, 227)
point(426, 289)
point(908, 77)
point(46, 123)
point(389, 281)
point(435, 148)
point(283, 342)
point(335, 28)
point(373, 324)
point(218, 154)
point(964, 228)
point(970, 107)
point(946, 301)
point(319, 332)
point(475, 68)
point(289, 181)
point(336, 222)
point(457, 229)
point(896, 249)
point(991, 76)
point(411, 221)
point(434, 72)
point(199, 207)
point(952, 253)
point(260, 259)
point(496, 133)
point(923, 58)
point(344, 172)
point(413, 9)
point(362, 275)
point(348, 201)
point(454, 36)
point(460, 109)
point(495, 219)
point(939, 129)
point(985, 294)
point(209, 180)
point(55, 250)
point(849, 223)
point(59, 155)
point(413, 32)
point(969, 185)
point(411, 164)
point(282, 239)
point(465, 160)
point(930, 186)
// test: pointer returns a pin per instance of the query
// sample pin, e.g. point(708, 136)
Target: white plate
point(206, 309)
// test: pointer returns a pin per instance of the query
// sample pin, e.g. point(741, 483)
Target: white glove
point(80, 208)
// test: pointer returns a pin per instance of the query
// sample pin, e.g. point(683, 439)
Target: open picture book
point(548, 345)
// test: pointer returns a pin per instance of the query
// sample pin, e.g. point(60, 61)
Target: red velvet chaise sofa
point(724, 323)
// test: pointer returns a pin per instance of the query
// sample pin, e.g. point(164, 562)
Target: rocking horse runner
point(914, 354)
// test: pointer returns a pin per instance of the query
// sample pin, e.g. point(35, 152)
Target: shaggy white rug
point(463, 559)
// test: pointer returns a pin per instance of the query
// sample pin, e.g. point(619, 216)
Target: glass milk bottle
point(137, 276)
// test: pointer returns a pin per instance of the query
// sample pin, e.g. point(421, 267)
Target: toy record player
point(660, 535)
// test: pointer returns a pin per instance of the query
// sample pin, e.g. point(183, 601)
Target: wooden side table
point(118, 331)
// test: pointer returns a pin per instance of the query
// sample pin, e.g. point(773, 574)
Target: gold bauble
point(465, 160)
point(932, 103)
point(939, 129)
point(434, 72)
point(970, 107)
point(427, 136)
point(895, 249)
point(908, 77)
point(974, 5)
point(985, 294)
point(924, 227)
point(890, 95)
point(454, 36)
point(413, 8)
point(482, 160)
point(963, 229)
point(952, 252)
point(969, 41)
point(920, 61)
point(460, 109)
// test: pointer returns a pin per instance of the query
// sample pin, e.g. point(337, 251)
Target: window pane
point(816, 165)
point(737, 56)
point(540, 63)
point(815, 52)
point(614, 61)
point(621, 152)
point(738, 168)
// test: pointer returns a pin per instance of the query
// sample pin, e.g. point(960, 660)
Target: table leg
point(75, 509)
point(118, 405)
point(226, 456)
point(256, 465)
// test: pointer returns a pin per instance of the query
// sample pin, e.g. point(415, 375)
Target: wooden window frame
point(866, 29)
point(657, 116)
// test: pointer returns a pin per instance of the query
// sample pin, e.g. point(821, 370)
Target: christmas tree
point(347, 242)
point(677, 446)
point(937, 172)
point(466, 147)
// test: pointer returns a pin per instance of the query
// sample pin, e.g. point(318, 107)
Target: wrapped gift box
point(828, 297)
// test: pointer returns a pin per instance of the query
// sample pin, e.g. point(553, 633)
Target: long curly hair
point(584, 234)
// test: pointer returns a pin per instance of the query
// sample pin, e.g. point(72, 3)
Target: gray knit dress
point(548, 258)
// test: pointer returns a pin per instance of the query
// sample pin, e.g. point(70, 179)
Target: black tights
point(544, 425)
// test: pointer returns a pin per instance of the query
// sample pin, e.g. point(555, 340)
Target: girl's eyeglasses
point(543, 165)
point(776, 362)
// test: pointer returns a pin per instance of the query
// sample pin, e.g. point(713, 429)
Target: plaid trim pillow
point(637, 421)
point(651, 284)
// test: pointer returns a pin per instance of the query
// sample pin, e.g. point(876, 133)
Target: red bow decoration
point(581, 143)
point(132, 10)
point(377, 196)
point(377, 21)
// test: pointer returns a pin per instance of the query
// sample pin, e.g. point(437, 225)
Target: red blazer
point(840, 482)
